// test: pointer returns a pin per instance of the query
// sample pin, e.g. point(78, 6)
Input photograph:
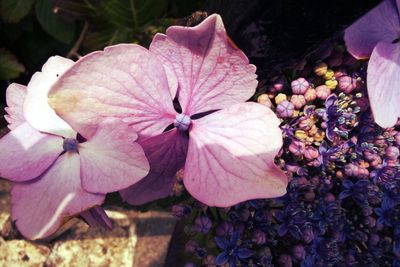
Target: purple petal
point(125, 81)
point(27, 153)
point(111, 160)
point(222, 258)
point(40, 207)
point(212, 72)
point(379, 24)
point(166, 154)
point(244, 253)
point(383, 83)
point(231, 156)
point(36, 108)
point(15, 96)
point(96, 216)
point(222, 243)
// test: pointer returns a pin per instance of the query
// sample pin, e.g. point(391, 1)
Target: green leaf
point(10, 68)
point(15, 10)
point(132, 14)
point(53, 24)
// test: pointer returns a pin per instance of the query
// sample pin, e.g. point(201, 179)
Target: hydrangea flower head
point(58, 175)
point(227, 147)
point(376, 35)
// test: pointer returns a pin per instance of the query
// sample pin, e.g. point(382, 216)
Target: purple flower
point(226, 145)
point(376, 35)
point(232, 253)
point(202, 224)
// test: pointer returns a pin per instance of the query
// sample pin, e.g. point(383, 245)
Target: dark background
point(274, 34)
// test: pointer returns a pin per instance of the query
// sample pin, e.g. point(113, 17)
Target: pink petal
point(40, 207)
point(166, 154)
point(27, 153)
point(112, 160)
point(380, 24)
point(231, 156)
point(36, 109)
point(15, 96)
point(212, 72)
point(125, 81)
point(383, 83)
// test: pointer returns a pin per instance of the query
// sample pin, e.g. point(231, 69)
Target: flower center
point(182, 122)
point(70, 144)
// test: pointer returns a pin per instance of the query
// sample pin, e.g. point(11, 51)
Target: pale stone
point(96, 247)
point(22, 253)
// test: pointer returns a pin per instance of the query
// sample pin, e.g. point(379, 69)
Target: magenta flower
point(227, 147)
point(56, 174)
point(376, 35)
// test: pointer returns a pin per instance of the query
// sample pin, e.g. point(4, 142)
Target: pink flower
point(56, 174)
point(376, 35)
point(227, 147)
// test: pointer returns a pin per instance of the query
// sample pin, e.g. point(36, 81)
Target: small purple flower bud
point(181, 210)
point(374, 239)
point(311, 153)
point(308, 235)
point(259, 237)
point(300, 86)
point(309, 196)
point(310, 94)
point(351, 170)
point(370, 156)
point(392, 152)
point(277, 86)
point(202, 224)
point(322, 92)
point(264, 100)
point(191, 246)
point(297, 148)
point(347, 84)
point(397, 138)
point(298, 101)
point(299, 253)
point(224, 229)
point(182, 122)
point(329, 198)
point(189, 264)
point(285, 109)
point(285, 260)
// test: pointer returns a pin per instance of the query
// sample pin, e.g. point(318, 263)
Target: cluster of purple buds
point(343, 201)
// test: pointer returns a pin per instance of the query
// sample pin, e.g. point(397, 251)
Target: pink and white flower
point(226, 146)
point(58, 175)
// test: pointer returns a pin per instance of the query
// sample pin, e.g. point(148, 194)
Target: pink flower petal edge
point(27, 153)
point(111, 160)
point(380, 24)
point(15, 96)
point(124, 81)
point(41, 207)
point(231, 156)
point(36, 108)
point(383, 77)
point(166, 154)
point(212, 72)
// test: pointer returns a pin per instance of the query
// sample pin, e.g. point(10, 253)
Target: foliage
point(33, 30)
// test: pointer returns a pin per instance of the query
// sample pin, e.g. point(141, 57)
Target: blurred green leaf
point(132, 14)
point(14, 10)
point(53, 24)
point(99, 39)
point(10, 68)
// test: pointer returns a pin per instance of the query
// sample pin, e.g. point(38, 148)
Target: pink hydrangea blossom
point(376, 35)
point(57, 175)
point(226, 146)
